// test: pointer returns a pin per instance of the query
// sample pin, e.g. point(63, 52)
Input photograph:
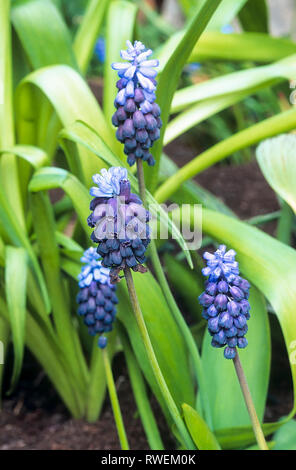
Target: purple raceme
point(137, 117)
point(225, 301)
point(96, 298)
point(120, 222)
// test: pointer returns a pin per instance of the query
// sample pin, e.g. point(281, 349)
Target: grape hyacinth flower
point(96, 298)
point(225, 301)
point(120, 221)
point(137, 116)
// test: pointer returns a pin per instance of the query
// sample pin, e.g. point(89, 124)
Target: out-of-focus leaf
point(170, 75)
point(120, 28)
point(276, 158)
point(43, 33)
point(4, 341)
point(88, 32)
point(235, 82)
point(257, 47)
point(285, 437)
point(225, 13)
point(199, 430)
point(254, 16)
point(71, 99)
point(269, 265)
point(16, 289)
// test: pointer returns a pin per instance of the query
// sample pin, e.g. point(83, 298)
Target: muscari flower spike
point(120, 222)
point(137, 116)
point(225, 301)
point(96, 298)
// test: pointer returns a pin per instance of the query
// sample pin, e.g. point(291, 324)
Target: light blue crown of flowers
point(108, 182)
point(93, 269)
point(221, 262)
point(137, 69)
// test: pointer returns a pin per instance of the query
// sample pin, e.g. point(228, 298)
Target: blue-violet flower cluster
point(137, 116)
point(120, 222)
point(225, 301)
point(96, 298)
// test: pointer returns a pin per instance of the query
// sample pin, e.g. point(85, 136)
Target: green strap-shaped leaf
point(234, 82)
point(226, 399)
point(16, 290)
point(199, 430)
point(276, 158)
point(121, 18)
point(33, 155)
point(43, 33)
point(282, 122)
point(71, 98)
point(254, 16)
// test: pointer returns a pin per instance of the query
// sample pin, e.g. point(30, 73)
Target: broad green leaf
point(285, 437)
point(33, 155)
point(191, 192)
point(44, 226)
point(225, 13)
point(52, 177)
point(79, 133)
point(226, 399)
point(166, 339)
point(88, 32)
point(43, 33)
point(276, 158)
point(16, 289)
point(71, 99)
point(199, 430)
point(234, 82)
point(171, 73)
point(120, 28)
point(275, 125)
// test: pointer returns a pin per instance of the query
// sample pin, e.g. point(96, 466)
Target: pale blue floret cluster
point(137, 70)
point(225, 301)
point(108, 182)
point(93, 269)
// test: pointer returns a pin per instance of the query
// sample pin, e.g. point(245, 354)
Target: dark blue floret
point(225, 302)
point(97, 298)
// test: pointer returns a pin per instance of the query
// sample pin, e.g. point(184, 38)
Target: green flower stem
point(175, 414)
point(249, 403)
point(191, 345)
point(114, 402)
